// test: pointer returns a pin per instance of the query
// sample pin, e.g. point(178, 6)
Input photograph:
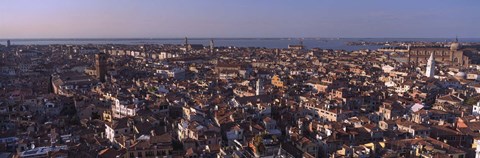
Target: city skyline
point(239, 79)
point(239, 19)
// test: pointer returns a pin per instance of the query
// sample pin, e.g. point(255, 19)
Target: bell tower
point(212, 46)
point(430, 72)
point(185, 44)
point(101, 66)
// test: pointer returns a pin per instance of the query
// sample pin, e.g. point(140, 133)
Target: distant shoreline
point(323, 43)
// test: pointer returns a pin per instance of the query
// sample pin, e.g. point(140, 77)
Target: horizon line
point(129, 38)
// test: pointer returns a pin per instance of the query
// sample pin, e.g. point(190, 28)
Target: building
point(42, 152)
point(8, 43)
point(101, 66)
point(151, 146)
point(430, 72)
point(165, 55)
point(299, 46)
point(476, 109)
point(258, 87)
point(277, 81)
point(295, 47)
point(69, 82)
point(176, 73)
point(124, 107)
point(118, 127)
point(188, 47)
point(455, 55)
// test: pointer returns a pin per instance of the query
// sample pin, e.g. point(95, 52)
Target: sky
point(239, 18)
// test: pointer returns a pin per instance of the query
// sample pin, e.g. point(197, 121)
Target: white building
point(165, 55)
point(124, 108)
point(472, 76)
point(476, 109)
point(42, 151)
point(176, 73)
point(117, 128)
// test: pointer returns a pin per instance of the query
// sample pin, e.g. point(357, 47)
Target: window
point(149, 154)
point(139, 154)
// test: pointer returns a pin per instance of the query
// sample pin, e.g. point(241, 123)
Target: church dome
point(460, 75)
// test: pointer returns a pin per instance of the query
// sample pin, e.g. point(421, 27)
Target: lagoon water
point(324, 43)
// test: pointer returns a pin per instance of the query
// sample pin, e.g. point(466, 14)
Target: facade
point(118, 127)
point(276, 81)
point(66, 83)
point(258, 87)
point(476, 109)
point(453, 55)
point(42, 152)
point(151, 146)
point(124, 108)
point(176, 73)
point(296, 47)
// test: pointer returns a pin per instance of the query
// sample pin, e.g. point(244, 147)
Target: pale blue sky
point(241, 18)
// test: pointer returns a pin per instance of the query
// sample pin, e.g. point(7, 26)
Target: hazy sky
point(238, 18)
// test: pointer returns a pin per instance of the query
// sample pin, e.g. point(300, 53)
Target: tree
point(472, 100)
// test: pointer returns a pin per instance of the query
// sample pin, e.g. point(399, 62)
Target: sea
point(324, 43)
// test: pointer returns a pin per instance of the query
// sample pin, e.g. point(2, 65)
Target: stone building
point(454, 55)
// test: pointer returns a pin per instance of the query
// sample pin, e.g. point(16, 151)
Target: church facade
point(453, 55)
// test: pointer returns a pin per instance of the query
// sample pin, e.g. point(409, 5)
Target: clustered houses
point(192, 101)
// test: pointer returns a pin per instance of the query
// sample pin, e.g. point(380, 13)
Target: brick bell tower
point(101, 66)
